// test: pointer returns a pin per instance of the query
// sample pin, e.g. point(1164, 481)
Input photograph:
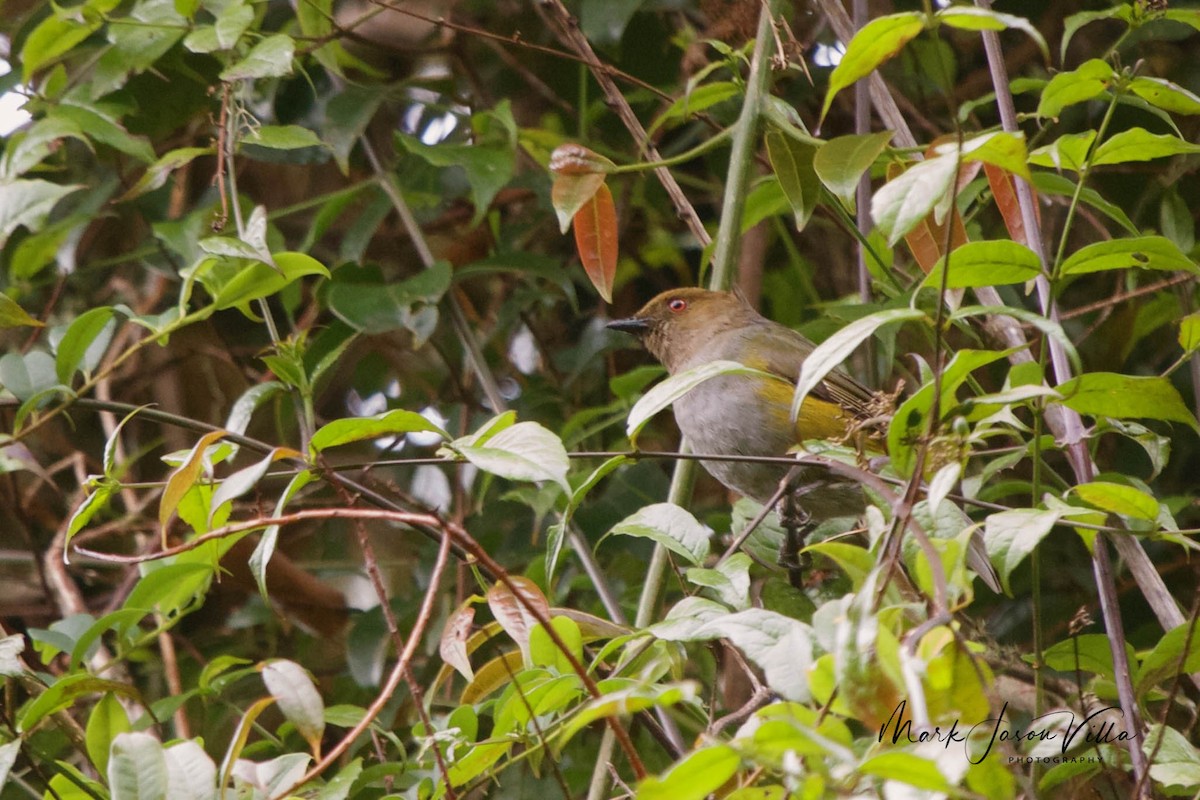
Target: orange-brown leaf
point(927, 241)
point(596, 240)
point(512, 609)
point(1004, 190)
point(453, 644)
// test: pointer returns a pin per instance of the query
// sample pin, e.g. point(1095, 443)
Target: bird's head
point(677, 324)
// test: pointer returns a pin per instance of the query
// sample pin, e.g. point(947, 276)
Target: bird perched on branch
point(751, 414)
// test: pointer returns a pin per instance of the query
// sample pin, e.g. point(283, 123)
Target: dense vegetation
point(320, 474)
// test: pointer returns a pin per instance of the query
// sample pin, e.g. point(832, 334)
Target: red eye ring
point(677, 304)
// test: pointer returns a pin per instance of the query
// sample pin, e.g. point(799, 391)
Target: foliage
point(290, 323)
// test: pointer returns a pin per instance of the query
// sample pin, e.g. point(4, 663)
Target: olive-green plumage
point(739, 414)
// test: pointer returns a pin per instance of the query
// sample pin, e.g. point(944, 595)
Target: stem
point(741, 159)
point(672, 161)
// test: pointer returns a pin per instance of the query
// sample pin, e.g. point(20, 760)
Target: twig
point(403, 664)
point(371, 564)
point(405, 517)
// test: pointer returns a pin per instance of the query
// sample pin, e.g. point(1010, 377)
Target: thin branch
point(402, 667)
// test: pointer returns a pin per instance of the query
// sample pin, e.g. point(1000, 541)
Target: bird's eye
point(677, 305)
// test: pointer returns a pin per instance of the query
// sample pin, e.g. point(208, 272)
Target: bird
point(751, 414)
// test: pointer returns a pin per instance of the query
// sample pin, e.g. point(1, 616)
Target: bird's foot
point(797, 524)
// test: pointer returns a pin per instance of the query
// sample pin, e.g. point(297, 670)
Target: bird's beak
point(635, 325)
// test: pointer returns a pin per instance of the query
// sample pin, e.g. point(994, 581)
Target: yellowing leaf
point(183, 478)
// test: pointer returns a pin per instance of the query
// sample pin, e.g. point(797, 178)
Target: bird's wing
point(780, 350)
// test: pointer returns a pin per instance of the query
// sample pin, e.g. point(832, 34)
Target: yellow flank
point(818, 418)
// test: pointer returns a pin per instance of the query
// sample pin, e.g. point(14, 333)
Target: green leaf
point(28, 203)
point(232, 247)
point(489, 162)
point(357, 429)
point(53, 37)
point(987, 264)
point(8, 757)
point(1144, 252)
point(1165, 95)
point(1089, 652)
point(107, 720)
point(875, 43)
point(1049, 183)
point(999, 148)
point(901, 203)
point(1176, 653)
point(841, 162)
point(675, 387)
point(283, 137)
point(84, 332)
point(346, 117)
point(261, 557)
point(695, 777)
point(543, 652)
point(1068, 151)
point(1076, 21)
point(13, 316)
point(1175, 220)
point(523, 452)
point(1189, 332)
point(245, 479)
point(793, 165)
point(270, 58)
point(1012, 535)
point(96, 501)
point(730, 579)
point(621, 698)
point(1174, 761)
point(231, 23)
point(191, 773)
point(669, 525)
point(156, 174)
point(1138, 144)
point(1108, 394)
point(138, 42)
point(137, 768)
point(244, 407)
point(687, 618)
point(558, 531)
point(372, 306)
point(297, 697)
point(972, 18)
point(100, 124)
point(29, 375)
point(1118, 498)
point(838, 347)
point(1088, 80)
point(907, 768)
point(696, 100)
point(258, 279)
point(781, 646)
